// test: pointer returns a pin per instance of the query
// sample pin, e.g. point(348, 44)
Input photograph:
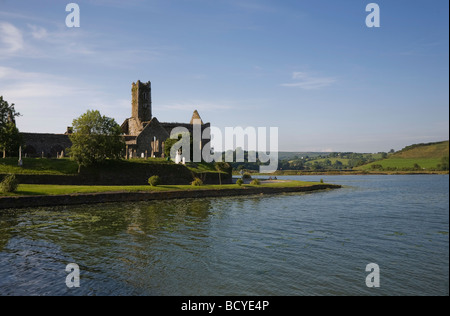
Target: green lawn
point(39, 166)
point(44, 189)
point(404, 163)
point(67, 166)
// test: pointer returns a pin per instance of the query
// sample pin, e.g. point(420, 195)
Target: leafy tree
point(10, 138)
point(7, 112)
point(95, 138)
point(222, 167)
point(444, 165)
point(338, 165)
point(169, 142)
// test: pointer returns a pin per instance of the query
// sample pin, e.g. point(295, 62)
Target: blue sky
point(312, 68)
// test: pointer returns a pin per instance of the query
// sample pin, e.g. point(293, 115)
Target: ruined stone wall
point(134, 126)
point(151, 140)
point(45, 145)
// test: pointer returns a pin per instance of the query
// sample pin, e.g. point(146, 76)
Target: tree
point(95, 138)
point(444, 165)
point(168, 143)
point(222, 167)
point(7, 112)
point(10, 138)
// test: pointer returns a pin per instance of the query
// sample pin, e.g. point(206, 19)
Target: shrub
point(255, 182)
point(321, 180)
point(9, 183)
point(246, 176)
point(154, 181)
point(239, 182)
point(197, 182)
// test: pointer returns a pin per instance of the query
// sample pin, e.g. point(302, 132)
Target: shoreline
point(347, 173)
point(25, 201)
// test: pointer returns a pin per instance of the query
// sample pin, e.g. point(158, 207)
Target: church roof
point(196, 116)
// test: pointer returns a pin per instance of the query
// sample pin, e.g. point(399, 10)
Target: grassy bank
point(66, 166)
point(41, 189)
point(110, 172)
point(39, 195)
point(38, 166)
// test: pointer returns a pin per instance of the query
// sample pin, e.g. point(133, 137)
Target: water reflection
point(293, 244)
point(101, 239)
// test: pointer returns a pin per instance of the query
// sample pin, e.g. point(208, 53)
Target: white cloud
point(11, 39)
point(38, 32)
point(307, 82)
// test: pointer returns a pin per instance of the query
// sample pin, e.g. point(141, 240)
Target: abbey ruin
point(144, 135)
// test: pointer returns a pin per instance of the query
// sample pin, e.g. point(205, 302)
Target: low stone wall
point(89, 198)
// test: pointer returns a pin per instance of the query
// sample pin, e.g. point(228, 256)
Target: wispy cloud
point(11, 39)
point(306, 81)
point(195, 105)
point(54, 100)
point(38, 32)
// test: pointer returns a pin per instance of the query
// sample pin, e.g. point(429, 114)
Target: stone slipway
point(108, 197)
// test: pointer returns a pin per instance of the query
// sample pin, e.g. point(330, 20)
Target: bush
point(246, 176)
point(321, 180)
point(239, 182)
point(9, 183)
point(255, 182)
point(197, 182)
point(154, 181)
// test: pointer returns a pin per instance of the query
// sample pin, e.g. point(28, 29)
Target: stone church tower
point(141, 101)
point(144, 135)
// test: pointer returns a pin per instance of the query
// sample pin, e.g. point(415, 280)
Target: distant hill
point(430, 156)
point(423, 151)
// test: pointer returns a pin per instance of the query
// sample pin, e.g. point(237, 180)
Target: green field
point(39, 166)
point(429, 156)
point(404, 164)
point(42, 189)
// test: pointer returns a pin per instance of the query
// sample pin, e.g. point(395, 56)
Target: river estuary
point(293, 244)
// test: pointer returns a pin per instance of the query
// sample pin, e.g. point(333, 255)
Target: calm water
point(296, 244)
